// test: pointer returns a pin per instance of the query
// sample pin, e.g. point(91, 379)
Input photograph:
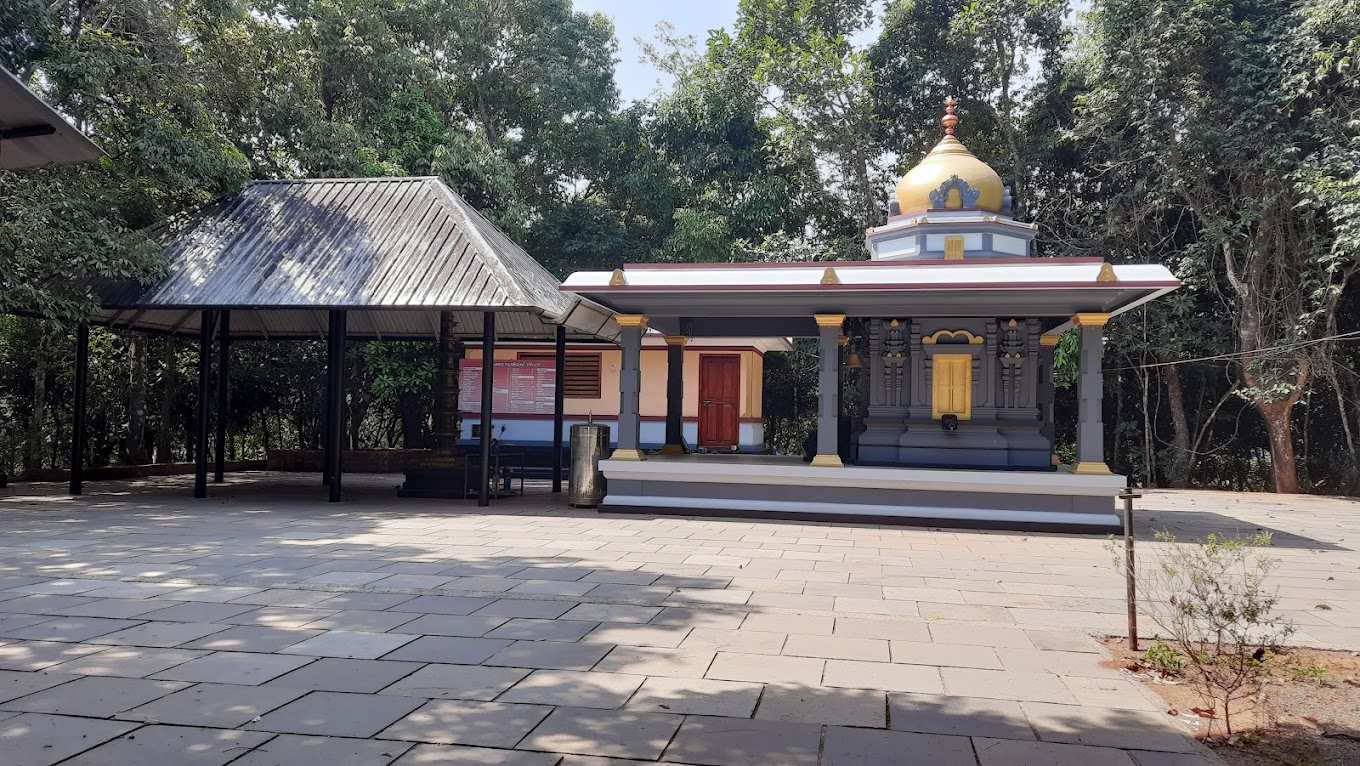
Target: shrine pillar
point(1090, 391)
point(828, 390)
point(633, 326)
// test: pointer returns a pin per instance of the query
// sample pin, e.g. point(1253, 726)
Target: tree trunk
point(1277, 416)
point(168, 373)
point(136, 428)
point(33, 453)
point(1178, 468)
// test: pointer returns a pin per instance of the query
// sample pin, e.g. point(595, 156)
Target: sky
point(638, 18)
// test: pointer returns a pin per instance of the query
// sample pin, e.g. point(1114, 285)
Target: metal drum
point(589, 442)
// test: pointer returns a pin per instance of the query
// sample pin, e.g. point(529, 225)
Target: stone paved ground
point(263, 627)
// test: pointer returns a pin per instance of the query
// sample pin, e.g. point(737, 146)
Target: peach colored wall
point(653, 398)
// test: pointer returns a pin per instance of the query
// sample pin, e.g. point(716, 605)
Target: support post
point(205, 335)
point(488, 401)
point(335, 401)
point(1090, 388)
point(630, 387)
point(223, 413)
point(1130, 571)
point(1047, 344)
point(675, 395)
point(559, 405)
point(828, 392)
point(78, 408)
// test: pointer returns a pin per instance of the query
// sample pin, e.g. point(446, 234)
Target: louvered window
point(583, 373)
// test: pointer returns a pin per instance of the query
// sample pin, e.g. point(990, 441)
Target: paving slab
point(443, 605)
point(17, 684)
point(455, 722)
point(1005, 685)
point(510, 607)
point(472, 756)
point(861, 747)
point(1082, 725)
point(657, 661)
point(161, 634)
point(196, 611)
point(341, 675)
point(533, 629)
point(818, 705)
point(128, 661)
point(243, 668)
point(550, 655)
point(350, 644)
point(252, 638)
point(450, 649)
point(1006, 752)
point(963, 716)
point(616, 734)
point(296, 750)
point(39, 655)
point(337, 714)
point(696, 696)
point(71, 629)
point(93, 696)
point(732, 742)
point(38, 739)
point(465, 682)
point(279, 616)
point(951, 655)
point(221, 706)
point(891, 677)
point(364, 620)
point(764, 668)
point(178, 745)
point(624, 613)
point(574, 688)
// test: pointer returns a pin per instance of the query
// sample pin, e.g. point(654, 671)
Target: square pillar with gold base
point(632, 327)
point(828, 390)
point(675, 395)
point(1090, 392)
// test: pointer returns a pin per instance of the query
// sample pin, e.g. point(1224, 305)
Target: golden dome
point(950, 158)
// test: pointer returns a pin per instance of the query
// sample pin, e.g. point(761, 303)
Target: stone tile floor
point(264, 626)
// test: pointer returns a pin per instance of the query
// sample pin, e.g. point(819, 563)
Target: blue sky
point(638, 18)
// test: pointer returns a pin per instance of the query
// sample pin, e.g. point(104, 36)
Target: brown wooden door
point(719, 401)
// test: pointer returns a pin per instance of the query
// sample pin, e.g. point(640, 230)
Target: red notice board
point(519, 387)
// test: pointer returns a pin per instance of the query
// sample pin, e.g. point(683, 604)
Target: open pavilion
point(339, 260)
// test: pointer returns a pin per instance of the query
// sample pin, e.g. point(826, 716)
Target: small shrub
point(1163, 657)
point(1313, 673)
point(1211, 601)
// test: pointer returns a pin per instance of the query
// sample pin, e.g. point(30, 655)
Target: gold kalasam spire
point(948, 159)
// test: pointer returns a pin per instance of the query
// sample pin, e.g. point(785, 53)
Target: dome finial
point(949, 120)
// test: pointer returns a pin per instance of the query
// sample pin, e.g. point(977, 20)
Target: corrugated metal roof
point(39, 136)
point(392, 250)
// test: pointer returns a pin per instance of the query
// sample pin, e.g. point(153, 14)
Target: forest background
point(1219, 137)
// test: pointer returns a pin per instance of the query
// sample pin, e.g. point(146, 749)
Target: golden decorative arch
point(934, 338)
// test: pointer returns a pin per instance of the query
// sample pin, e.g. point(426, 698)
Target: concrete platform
point(785, 486)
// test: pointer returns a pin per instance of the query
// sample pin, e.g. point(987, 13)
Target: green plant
point(1313, 673)
point(1212, 603)
point(1163, 657)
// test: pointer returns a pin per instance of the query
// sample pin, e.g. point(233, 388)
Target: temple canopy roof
point(923, 187)
point(33, 135)
point(393, 252)
point(781, 298)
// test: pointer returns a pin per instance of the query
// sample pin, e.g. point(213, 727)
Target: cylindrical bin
point(589, 442)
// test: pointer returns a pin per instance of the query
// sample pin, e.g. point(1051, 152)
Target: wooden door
point(719, 401)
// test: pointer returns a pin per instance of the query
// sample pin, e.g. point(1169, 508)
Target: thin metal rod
point(205, 334)
point(78, 408)
point(559, 405)
point(335, 400)
point(1130, 571)
point(327, 416)
point(223, 366)
point(488, 387)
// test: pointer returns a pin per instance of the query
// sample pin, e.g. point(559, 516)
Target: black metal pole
point(78, 413)
point(223, 366)
point(488, 387)
point(205, 334)
point(326, 414)
point(559, 405)
point(336, 400)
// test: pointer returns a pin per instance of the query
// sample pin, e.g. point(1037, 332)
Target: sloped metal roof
point(394, 251)
point(33, 135)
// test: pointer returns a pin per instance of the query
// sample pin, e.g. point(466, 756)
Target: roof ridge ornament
point(949, 120)
point(1106, 273)
point(617, 279)
point(829, 277)
point(968, 196)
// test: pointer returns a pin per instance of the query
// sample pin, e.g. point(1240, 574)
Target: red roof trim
point(858, 264)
